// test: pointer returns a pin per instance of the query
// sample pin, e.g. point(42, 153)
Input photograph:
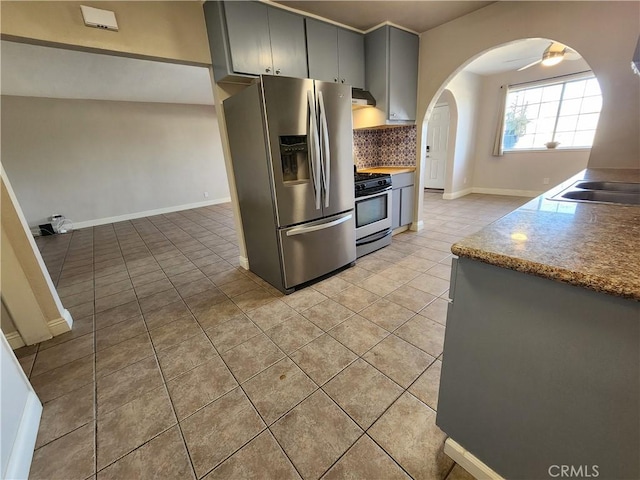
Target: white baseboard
point(60, 325)
point(417, 226)
point(458, 194)
point(19, 461)
point(244, 262)
point(469, 462)
point(507, 191)
point(147, 213)
point(15, 340)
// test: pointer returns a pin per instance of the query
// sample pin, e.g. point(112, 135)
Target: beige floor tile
point(80, 311)
point(115, 300)
point(366, 460)
point(293, 333)
point(132, 424)
point(432, 254)
point(65, 414)
point(399, 360)
point(216, 431)
point(358, 334)
point(411, 298)
point(418, 264)
point(251, 357)
point(218, 314)
point(62, 354)
point(148, 289)
point(173, 333)
point(75, 288)
point(278, 389)
point(110, 336)
point(113, 287)
point(127, 384)
point(304, 299)
point(363, 392)
point(331, 286)
point(271, 314)
point(315, 434)
point(430, 284)
point(323, 358)
point(158, 300)
point(436, 310)
point(71, 300)
point(25, 351)
point(81, 327)
point(214, 269)
point(328, 314)
point(253, 299)
point(400, 273)
point(193, 288)
point(165, 456)
point(381, 284)
point(237, 287)
point(27, 363)
point(424, 334)
point(459, 473)
point(226, 274)
point(408, 432)
point(427, 385)
point(184, 356)
point(187, 277)
point(117, 315)
point(355, 274)
point(70, 457)
point(373, 264)
point(262, 458)
point(123, 354)
point(441, 271)
point(166, 314)
point(356, 298)
point(205, 300)
point(386, 314)
point(148, 278)
point(232, 333)
point(69, 377)
point(200, 386)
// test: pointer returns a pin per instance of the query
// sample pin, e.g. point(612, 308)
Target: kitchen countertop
point(595, 246)
point(389, 170)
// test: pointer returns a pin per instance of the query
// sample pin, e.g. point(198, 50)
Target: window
point(564, 112)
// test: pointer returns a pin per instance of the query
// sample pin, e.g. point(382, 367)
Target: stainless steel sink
point(610, 186)
point(624, 193)
point(603, 196)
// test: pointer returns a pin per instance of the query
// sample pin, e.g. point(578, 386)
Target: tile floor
point(182, 365)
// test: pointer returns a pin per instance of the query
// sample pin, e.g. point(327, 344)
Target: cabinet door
point(322, 49)
point(351, 58)
point(406, 205)
point(248, 30)
point(288, 48)
point(396, 203)
point(403, 74)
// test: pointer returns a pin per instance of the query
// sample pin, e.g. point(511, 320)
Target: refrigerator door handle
point(314, 151)
point(315, 228)
point(326, 154)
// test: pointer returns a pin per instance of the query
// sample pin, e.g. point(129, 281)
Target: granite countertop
point(595, 246)
point(389, 170)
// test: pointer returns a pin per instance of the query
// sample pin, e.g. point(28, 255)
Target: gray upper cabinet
point(335, 54)
point(391, 59)
point(251, 38)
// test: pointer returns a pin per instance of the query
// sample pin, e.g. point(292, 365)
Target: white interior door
point(437, 144)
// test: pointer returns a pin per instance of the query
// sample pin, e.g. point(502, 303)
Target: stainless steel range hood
point(361, 98)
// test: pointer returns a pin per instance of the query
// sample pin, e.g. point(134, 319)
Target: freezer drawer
point(316, 248)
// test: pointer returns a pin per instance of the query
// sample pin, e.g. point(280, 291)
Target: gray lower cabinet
point(335, 54)
point(538, 373)
point(403, 191)
point(391, 61)
point(250, 38)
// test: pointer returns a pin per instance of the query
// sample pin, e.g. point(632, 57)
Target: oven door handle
point(375, 237)
point(315, 228)
point(375, 192)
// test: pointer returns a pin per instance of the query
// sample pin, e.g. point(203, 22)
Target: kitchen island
point(541, 358)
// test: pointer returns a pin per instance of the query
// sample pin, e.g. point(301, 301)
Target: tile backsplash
point(385, 147)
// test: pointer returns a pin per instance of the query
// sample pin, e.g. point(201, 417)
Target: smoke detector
point(95, 17)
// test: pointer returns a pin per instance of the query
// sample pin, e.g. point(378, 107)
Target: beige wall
point(93, 160)
point(605, 34)
point(521, 171)
point(6, 323)
point(171, 30)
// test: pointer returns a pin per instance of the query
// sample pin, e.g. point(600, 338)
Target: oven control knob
point(380, 182)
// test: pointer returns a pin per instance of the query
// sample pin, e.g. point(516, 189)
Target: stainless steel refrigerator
point(291, 149)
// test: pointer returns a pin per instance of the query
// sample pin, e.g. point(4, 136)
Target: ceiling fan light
point(552, 58)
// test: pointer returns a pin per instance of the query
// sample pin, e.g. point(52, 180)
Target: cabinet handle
point(335, 80)
point(278, 71)
point(267, 70)
point(342, 80)
point(392, 115)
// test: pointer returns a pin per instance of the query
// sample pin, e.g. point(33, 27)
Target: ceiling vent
point(94, 17)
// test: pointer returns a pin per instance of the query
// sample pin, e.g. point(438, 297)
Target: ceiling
point(36, 71)
point(418, 16)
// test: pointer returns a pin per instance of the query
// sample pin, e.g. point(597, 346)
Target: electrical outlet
point(206, 194)
point(545, 181)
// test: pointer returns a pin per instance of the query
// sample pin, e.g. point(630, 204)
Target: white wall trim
point(60, 325)
point(244, 262)
point(469, 462)
point(507, 191)
point(15, 340)
point(417, 226)
point(148, 213)
point(458, 194)
point(19, 462)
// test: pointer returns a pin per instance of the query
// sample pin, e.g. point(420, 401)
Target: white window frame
point(563, 80)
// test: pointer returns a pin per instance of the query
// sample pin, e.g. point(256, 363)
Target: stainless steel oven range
point(373, 212)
